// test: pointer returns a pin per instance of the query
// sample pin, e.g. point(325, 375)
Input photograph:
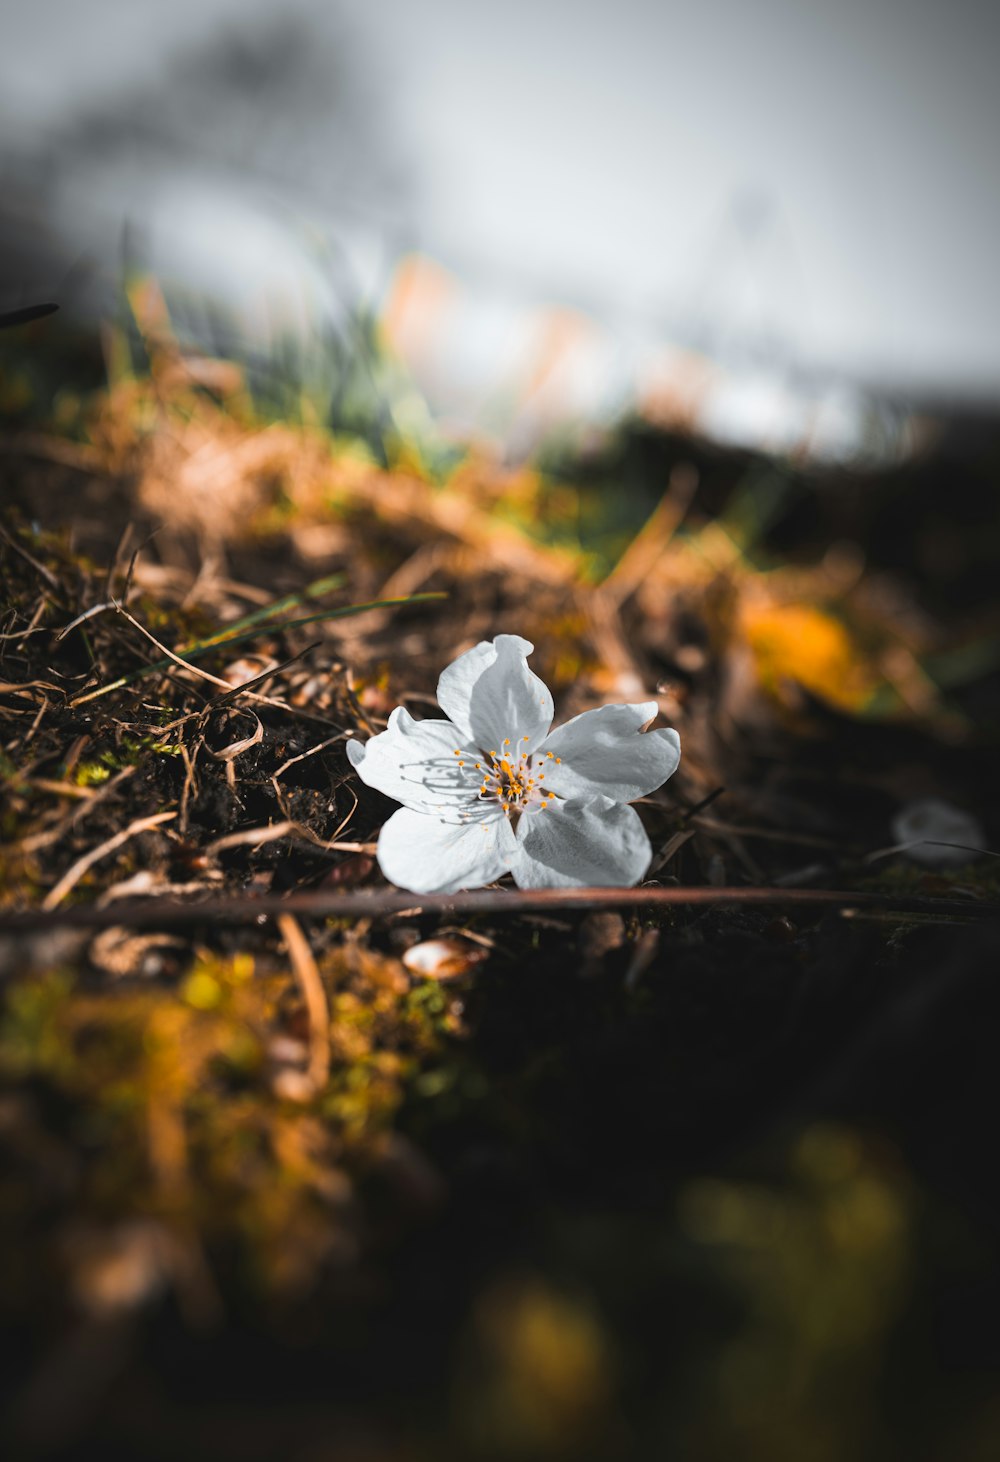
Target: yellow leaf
point(796, 642)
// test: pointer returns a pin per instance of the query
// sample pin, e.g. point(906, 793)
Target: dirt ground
point(709, 1180)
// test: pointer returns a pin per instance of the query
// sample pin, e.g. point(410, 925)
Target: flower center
point(515, 778)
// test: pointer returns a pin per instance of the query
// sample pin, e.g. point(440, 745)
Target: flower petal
point(490, 693)
point(415, 762)
point(602, 753)
point(568, 844)
point(421, 853)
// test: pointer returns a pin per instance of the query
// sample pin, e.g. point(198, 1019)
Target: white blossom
point(493, 790)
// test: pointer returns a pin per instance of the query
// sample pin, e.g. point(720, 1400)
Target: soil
point(681, 1181)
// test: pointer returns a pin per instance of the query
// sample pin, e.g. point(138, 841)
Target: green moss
point(129, 751)
point(175, 1109)
point(91, 773)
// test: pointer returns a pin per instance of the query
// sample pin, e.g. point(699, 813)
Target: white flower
point(493, 791)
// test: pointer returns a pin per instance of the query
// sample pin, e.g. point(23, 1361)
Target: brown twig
point(329, 904)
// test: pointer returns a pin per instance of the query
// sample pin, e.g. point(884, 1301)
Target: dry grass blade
point(22, 687)
point(252, 837)
point(256, 837)
point(91, 613)
point(236, 748)
point(305, 755)
point(248, 687)
point(334, 845)
point(642, 957)
point(653, 537)
point(72, 877)
point(242, 744)
point(670, 849)
point(62, 789)
point(302, 831)
point(92, 797)
point(26, 315)
point(33, 627)
point(310, 983)
point(766, 834)
point(39, 568)
point(168, 654)
point(204, 647)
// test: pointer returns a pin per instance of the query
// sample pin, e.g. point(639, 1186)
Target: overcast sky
point(826, 174)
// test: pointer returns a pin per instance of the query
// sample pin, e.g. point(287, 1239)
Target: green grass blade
point(315, 590)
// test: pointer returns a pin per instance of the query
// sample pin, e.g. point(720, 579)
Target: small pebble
point(600, 933)
point(444, 959)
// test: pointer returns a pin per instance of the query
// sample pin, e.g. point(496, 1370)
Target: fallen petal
point(923, 827)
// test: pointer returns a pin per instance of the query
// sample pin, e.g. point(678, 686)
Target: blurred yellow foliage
point(801, 644)
point(537, 1374)
point(823, 1263)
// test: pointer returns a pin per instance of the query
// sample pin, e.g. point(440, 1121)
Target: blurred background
point(778, 222)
